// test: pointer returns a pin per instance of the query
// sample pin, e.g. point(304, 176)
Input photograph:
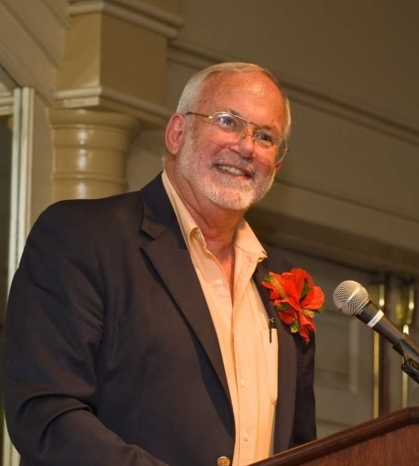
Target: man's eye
point(226, 121)
point(265, 137)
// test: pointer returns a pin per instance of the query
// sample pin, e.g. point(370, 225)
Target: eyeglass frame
point(257, 128)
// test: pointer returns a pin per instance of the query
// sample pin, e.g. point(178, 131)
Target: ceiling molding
point(120, 10)
point(145, 8)
point(148, 112)
point(197, 57)
point(23, 75)
point(59, 8)
point(42, 27)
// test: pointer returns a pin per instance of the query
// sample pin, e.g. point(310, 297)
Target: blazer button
point(223, 461)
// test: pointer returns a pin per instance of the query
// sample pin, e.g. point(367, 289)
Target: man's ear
point(175, 131)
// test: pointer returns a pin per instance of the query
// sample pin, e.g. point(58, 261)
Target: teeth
point(233, 170)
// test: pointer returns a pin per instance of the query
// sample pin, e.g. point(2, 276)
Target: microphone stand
point(410, 352)
point(408, 348)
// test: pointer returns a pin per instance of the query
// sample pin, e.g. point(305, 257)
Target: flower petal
point(296, 299)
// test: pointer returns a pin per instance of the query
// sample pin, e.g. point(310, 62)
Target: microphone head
point(350, 297)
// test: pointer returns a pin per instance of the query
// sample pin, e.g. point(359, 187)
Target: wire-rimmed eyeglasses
point(232, 128)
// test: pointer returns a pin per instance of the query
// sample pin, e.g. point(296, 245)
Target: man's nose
point(247, 142)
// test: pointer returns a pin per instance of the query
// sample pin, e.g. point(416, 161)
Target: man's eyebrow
point(234, 112)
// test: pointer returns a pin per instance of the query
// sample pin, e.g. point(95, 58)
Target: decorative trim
point(194, 56)
point(6, 101)
point(88, 176)
point(315, 190)
point(43, 43)
point(7, 86)
point(72, 98)
point(129, 15)
point(150, 10)
point(58, 12)
point(6, 106)
point(22, 75)
point(352, 112)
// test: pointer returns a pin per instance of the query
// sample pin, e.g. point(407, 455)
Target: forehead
point(252, 95)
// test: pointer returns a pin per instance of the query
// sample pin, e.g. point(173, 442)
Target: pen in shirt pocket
point(271, 325)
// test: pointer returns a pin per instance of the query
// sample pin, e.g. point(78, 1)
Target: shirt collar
point(245, 238)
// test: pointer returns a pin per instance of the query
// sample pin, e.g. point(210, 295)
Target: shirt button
point(223, 461)
point(246, 436)
point(242, 383)
point(219, 282)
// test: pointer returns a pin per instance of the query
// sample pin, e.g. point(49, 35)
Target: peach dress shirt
point(248, 348)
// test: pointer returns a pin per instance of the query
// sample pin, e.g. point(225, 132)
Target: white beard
point(225, 192)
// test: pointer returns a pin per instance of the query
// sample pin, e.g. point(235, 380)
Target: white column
point(91, 150)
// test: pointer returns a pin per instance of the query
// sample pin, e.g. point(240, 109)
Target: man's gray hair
point(192, 91)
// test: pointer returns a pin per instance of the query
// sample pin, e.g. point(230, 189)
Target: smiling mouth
point(234, 170)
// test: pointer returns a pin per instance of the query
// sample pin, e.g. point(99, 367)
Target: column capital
point(115, 57)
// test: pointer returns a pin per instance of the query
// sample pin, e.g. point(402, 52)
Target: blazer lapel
point(287, 367)
point(171, 259)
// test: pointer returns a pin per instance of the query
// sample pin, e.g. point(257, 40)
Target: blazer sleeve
point(53, 335)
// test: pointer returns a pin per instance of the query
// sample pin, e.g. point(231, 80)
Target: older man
point(138, 332)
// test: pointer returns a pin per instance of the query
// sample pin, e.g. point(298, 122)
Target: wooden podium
point(390, 440)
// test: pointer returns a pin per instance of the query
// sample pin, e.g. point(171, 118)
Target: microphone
point(352, 298)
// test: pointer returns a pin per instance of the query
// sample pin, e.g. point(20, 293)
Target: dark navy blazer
point(110, 353)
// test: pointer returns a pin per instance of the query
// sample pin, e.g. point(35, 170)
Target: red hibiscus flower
point(296, 299)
